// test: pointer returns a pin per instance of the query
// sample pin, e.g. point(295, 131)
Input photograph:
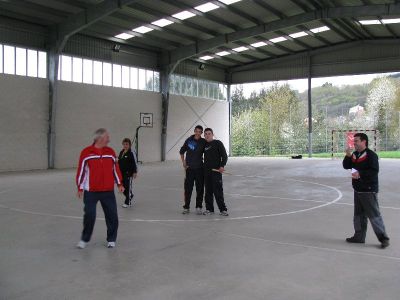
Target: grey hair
point(99, 133)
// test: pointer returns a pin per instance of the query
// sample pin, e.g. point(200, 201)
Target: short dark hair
point(209, 129)
point(127, 140)
point(363, 137)
point(199, 127)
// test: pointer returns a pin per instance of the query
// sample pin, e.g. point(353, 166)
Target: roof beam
point(320, 14)
point(75, 23)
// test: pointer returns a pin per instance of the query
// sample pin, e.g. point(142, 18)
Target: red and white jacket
point(98, 170)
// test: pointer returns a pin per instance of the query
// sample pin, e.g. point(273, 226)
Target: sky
point(301, 84)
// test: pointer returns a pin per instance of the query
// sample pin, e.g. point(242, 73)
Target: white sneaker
point(81, 245)
point(125, 205)
point(111, 245)
point(207, 213)
point(185, 211)
point(199, 211)
point(224, 213)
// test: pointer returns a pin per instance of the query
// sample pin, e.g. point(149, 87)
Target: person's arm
point(182, 152)
point(347, 161)
point(80, 174)
point(373, 166)
point(117, 174)
point(134, 164)
point(224, 155)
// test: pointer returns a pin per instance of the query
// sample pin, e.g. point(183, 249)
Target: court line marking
point(343, 251)
point(340, 195)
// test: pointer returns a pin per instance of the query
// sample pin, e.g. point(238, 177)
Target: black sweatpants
point(128, 192)
point(214, 188)
point(366, 207)
point(194, 176)
point(109, 205)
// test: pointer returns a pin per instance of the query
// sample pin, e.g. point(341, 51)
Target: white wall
point(23, 123)
point(186, 112)
point(82, 108)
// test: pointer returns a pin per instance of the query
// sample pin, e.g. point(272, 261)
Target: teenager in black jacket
point(193, 148)
point(215, 159)
point(364, 167)
point(128, 166)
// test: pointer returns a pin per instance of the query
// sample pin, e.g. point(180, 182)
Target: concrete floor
point(284, 238)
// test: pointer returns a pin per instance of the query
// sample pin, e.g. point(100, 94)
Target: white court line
point(340, 195)
point(313, 247)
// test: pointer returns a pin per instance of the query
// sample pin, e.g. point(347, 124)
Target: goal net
point(343, 139)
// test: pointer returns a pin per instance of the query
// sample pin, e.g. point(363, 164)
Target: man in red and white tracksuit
point(97, 172)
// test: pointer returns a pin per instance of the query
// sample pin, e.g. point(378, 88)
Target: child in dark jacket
point(128, 166)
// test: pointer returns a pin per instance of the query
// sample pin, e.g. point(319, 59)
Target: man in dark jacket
point(215, 159)
point(128, 165)
point(193, 166)
point(364, 166)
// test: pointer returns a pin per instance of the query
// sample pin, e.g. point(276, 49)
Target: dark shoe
point(385, 243)
point(355, 240)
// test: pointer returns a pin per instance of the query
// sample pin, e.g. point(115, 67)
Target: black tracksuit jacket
point(127, 163)
point(194, 152)
point(367, 165)
point(214, 155)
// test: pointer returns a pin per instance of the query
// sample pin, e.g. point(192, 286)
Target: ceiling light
point(258, 44)
point(206, 7)
point(223, 53)
point(227, 2)
point(320, 29)
point(183, 15)
point(278, 39)
point(206, 57)
point(390, 21)
point(124, 36)
point(298, 34)
point(370, 22)
point(240, 49)
point(142, 29)
point(162, 22)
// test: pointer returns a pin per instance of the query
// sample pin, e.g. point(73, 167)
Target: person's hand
point(79, 194)
point(349, 152)
point(355, 175)
point(134, 175)
point(221, 170)
point(121, 189)
point(185, 166)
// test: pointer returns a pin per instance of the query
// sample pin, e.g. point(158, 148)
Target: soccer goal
point(342, 139)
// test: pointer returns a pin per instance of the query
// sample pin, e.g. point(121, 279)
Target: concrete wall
point(82, 108)
point(186, 112)
point(23, 123)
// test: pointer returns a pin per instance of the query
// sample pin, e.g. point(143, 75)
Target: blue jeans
point(109, 205)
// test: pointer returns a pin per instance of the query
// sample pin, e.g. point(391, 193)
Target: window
point(77, 72)
point(107, 74)
point(97, 72)
point(134, 78)
point(116, 75)
point(20, 61)
point(149, 80)
point(42, 68)
point(125, 77)
point(156, 82)
point(1, 58)
point(66, 68)
point(142, 79)
point(9, 60)
point(87, 71)
point(32, 63)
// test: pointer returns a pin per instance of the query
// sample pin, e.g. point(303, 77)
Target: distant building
point(356, 111)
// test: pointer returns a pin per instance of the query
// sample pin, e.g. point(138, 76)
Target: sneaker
point(207, 213)
point(125, 205)
point(385, 243)
point(224, 213)
point(111, 245)
point(185, 211)
point(199, 211)
point(355, 240)
point(81, 245)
